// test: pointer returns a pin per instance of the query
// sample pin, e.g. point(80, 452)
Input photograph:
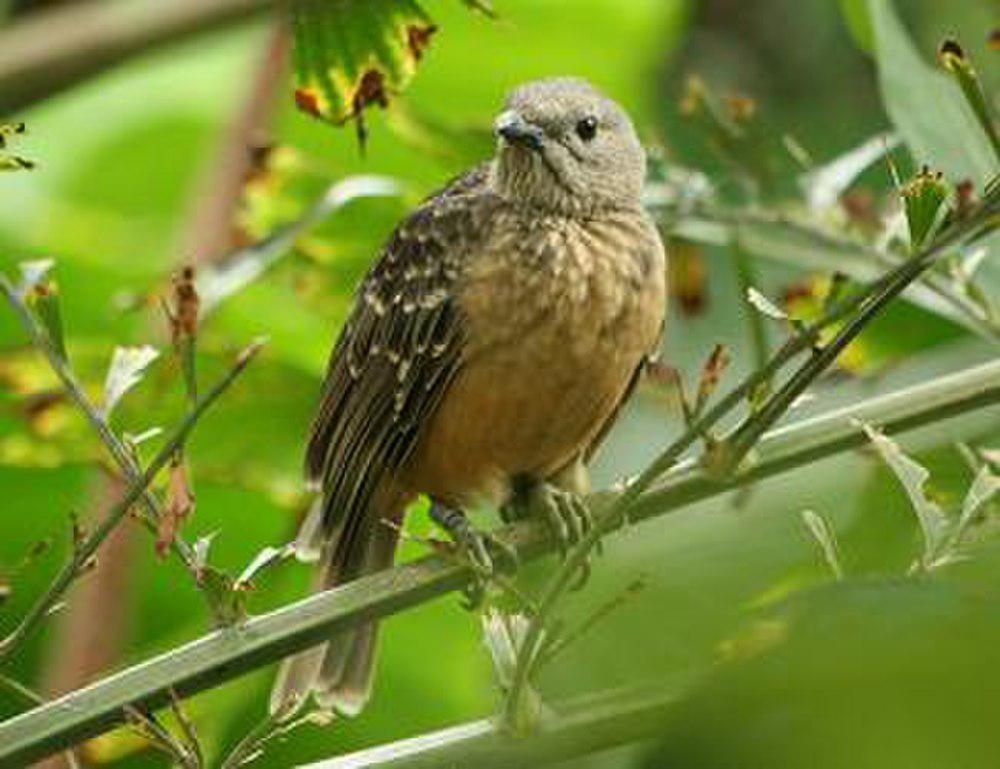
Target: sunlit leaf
point(139, 438)
point(201, 548)
point(349, 56)
point(764, 305)
point(927, 108)
point(8, 160)
point(128, 364)
point(824, 186)
point(263, 560)
point(239, 269)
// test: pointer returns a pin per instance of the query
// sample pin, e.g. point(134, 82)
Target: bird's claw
point(569, 519)
point(482, 551)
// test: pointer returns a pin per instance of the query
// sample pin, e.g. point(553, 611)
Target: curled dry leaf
point(180, 504)
point(184, 325)
point(184, 314)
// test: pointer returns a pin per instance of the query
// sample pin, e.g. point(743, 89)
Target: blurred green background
point(123, 162)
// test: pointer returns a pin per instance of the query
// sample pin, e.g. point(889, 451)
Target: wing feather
point(397, 353)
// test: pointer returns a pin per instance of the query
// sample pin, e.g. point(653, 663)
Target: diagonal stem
point(224, 654)
point(861, 308)
point(83, 552)
point(121, 455)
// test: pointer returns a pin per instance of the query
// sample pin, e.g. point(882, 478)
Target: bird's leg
point(479, 548)
point(567, 515)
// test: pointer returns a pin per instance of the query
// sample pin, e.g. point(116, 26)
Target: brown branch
point(52, 50)
point(209, 233)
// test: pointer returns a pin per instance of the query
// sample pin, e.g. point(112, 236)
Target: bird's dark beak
point(514, 129)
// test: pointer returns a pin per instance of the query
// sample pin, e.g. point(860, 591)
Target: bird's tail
point(339, 673)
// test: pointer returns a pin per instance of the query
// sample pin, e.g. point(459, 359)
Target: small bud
point(954, 60)
point(43, 298)
point(924, 200)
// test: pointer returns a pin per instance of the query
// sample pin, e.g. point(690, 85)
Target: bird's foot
point(482, 550)
point(568, 517)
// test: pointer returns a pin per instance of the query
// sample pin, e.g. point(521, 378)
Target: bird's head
point(565, 147)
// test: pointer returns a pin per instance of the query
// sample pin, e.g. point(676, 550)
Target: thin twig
point(966, 311)
point(188, 730)
point(863, 307)
point(746, 278)
point(85, 550)
point(119, 451)
point(251, 743)
point(224, 654)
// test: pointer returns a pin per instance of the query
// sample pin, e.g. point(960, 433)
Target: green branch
point(793, 240)
point(122, 456)
point(85, 550)
point(224, 654)
point(584, 725)
point(726, 456)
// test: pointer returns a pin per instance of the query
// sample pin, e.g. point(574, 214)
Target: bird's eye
point(586, 129)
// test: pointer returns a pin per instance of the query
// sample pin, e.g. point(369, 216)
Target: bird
point(490, 348)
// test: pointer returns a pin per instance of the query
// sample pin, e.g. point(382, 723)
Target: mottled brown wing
point(397, 353)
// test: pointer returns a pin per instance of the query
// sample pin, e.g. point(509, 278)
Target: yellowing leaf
point(349, 55)
point(9, 161)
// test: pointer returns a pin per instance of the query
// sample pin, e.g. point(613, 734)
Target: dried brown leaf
point(179, 506)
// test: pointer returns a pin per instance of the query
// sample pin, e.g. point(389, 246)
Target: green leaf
point(954, 60)
point(927, 108)
point(912, 476)
point(483, 6)
point(923, 198)
point(859, 23)
point(823, 186)
point(351, 55)
point(983, 489)
point(128, 364)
